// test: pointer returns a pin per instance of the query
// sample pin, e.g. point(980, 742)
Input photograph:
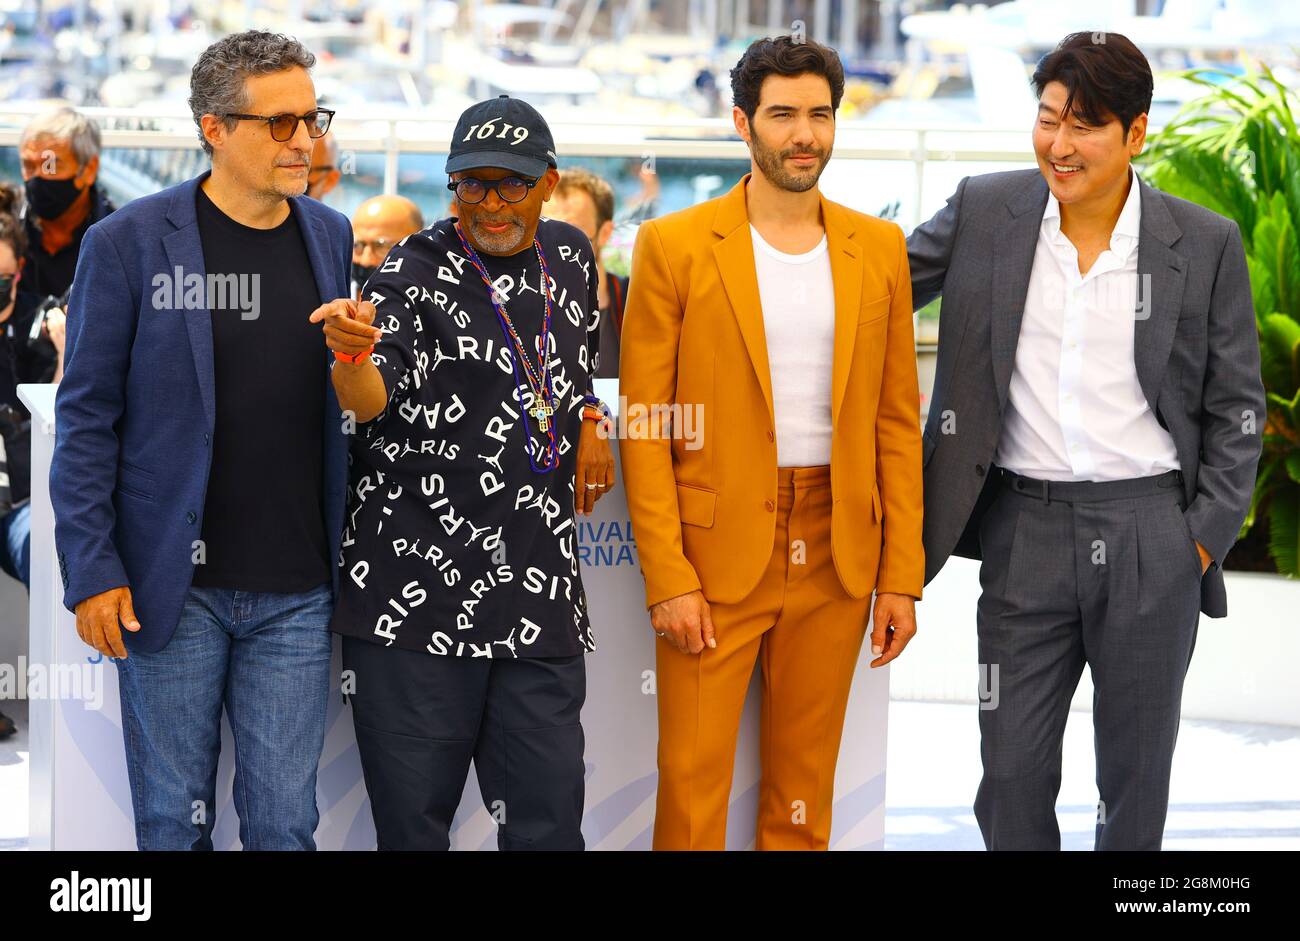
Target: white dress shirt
point(1075, 410)
point(797, 295)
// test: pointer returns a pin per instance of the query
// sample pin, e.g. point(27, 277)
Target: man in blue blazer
point(200, 466)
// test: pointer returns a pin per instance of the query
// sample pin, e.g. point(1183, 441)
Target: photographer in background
point(22, 359)
point(583, 199)
point(59, 150)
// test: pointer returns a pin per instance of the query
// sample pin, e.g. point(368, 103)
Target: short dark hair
point(783, 56)
point(1104, 74)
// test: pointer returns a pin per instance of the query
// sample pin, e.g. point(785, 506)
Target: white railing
point(396, 133)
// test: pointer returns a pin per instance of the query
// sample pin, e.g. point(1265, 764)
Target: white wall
point(1243, 668)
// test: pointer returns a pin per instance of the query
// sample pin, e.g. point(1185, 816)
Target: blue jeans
point(16, 538)
point(265, 657)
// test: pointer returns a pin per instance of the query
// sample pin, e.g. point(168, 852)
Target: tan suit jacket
point(703, 510)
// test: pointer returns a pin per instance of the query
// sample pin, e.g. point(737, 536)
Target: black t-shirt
point(263, 520)
point(453, 544)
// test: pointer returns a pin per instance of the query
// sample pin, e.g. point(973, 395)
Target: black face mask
point(49, 199)
point(6, 290)
point(361, 273)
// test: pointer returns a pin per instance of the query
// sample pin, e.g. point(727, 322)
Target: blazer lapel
point(1162, 273)
point(184, 253)
point(735, 259)
point(846, 273)
point(1013, 263)
point(317, 241)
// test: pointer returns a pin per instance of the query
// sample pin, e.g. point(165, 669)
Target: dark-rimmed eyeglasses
point(284, 126)
point(510, 189)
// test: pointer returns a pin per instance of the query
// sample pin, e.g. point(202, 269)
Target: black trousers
point(420, 719)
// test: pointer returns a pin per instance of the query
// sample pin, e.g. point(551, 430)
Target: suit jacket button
point(770, 505)
point(770, 436)
point(979, 469)
point(190, 517)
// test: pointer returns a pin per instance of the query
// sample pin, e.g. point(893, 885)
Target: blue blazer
point(136, 409)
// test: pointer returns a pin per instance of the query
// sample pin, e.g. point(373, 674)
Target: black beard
point(772, 165)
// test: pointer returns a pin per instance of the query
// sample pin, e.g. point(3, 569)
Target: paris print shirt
point(453, 544)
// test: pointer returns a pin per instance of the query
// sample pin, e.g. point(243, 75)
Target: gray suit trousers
point(1102, 573)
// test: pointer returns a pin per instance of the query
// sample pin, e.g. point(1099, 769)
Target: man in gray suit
point(1092, 437)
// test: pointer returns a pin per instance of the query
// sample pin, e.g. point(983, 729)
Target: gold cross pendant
point(541, 413)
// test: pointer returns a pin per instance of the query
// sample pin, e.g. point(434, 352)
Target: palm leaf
point(1284, 529)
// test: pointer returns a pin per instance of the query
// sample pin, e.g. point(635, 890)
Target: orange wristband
point(345, 358)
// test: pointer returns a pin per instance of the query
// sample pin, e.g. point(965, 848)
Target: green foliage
point(1236, 150)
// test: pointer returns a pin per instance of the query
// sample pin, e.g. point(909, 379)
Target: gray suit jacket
point(1196, 349)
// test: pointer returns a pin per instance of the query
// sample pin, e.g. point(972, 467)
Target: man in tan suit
point(778, 324)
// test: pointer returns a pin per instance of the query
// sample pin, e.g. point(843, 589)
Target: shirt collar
point(1123, 238)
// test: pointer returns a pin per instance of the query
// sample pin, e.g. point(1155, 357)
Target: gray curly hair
point(217, 79)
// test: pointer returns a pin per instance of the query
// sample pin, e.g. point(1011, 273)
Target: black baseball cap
point(502, 132)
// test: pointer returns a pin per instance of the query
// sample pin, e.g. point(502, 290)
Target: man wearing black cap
point(462, 610)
